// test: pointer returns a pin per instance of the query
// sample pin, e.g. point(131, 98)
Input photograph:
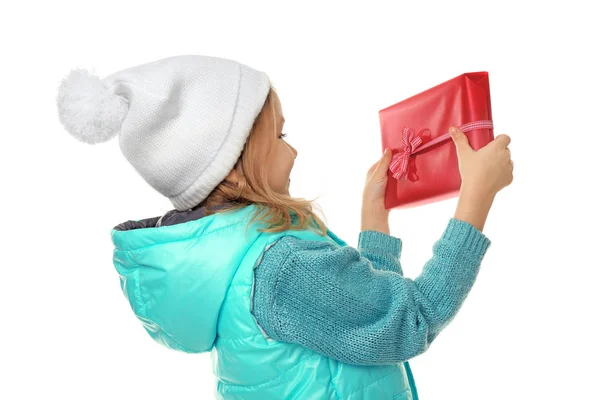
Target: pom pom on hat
point(87, 109)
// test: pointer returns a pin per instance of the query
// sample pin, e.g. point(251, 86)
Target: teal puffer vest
point(191, 286)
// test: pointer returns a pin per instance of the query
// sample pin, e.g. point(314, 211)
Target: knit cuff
point(468, 238)
point(381, 241)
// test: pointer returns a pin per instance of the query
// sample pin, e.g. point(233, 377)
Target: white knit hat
point(183, 120)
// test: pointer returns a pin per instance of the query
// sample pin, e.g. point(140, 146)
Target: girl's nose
point(293, 150)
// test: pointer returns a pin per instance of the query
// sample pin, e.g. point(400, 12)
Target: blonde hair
point(252, 186)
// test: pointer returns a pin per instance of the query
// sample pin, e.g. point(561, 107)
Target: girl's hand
point(484, 173)
point(487, 170)
point(374, 214)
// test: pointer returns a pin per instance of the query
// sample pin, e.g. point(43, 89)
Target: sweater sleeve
point(330, 298)
point(381, 249)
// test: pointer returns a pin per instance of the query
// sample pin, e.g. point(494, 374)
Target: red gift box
point(424, 167)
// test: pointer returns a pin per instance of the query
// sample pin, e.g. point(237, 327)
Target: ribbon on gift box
point(412, 142)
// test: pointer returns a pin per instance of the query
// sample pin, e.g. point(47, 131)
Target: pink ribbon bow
point(411, 142)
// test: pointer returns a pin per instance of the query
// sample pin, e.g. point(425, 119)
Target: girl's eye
point(283, 135)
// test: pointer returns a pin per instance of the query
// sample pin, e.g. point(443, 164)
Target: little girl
point(240, 268)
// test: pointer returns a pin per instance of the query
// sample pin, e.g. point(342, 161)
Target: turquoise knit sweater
point(354, 304)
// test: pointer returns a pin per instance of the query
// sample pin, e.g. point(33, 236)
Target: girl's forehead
point(277, 104)
point(280, 117)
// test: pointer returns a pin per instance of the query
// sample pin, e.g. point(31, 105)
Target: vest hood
point(170, 276)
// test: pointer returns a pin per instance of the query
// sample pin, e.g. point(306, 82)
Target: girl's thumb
point(459, 138)
point(384, 162)
point(386, 157)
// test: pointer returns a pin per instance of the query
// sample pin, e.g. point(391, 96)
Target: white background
point(528, 329)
